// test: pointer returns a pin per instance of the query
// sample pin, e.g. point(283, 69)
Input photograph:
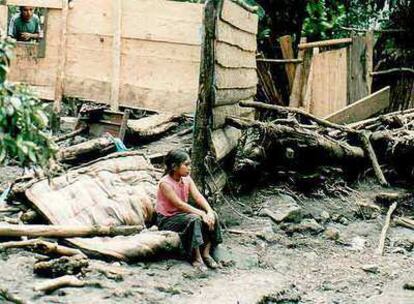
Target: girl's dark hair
point(174, 159)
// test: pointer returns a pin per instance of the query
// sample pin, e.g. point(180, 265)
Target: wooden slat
point(287, 53)
point(232, 57)
point(220, 113)
point(357, 82)
point(87, 17)
point(239, 17)
point(329, 83)
point(233, 36)
point(235, 78)
point(231, 96)
point(87, 88)
point(369, 58)
point(325, 43)
point(160, 20)
point(116, 53)
point(37, 3)
point(164, 100)
point(60, 72)
point(3, 19)
point(223, 141)
point(295, 96)
point(161, 50)
point(362, 109)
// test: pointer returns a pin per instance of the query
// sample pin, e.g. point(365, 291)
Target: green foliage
point(23, 121)
point(324, 20)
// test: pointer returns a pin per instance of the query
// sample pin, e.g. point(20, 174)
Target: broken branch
point(56, 231)
point(385, 229)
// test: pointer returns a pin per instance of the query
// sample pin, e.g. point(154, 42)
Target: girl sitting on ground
point(198, 227)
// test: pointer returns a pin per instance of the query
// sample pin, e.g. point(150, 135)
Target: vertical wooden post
point(295, 97)
point(116, 53)
point(358, 86)
point(60, 73)
point(369, 58)
point(3, 19)
point(287, 53)
point(205, 99)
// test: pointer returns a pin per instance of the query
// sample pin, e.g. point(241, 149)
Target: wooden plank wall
point(235, 73)
point(329, 82)
point(160, 53)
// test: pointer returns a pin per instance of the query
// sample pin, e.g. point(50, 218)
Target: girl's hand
point(208, 220)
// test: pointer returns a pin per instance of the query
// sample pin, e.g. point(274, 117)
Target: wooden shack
point(132, 53)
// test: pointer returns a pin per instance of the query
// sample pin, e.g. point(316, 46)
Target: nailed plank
point(295, 96)
point(160, 20)
point(362, 109)
point(357, 81)
point(223, 141)
point(231, 96)
point(369, 58)
point(88, 88)
point(232, 57)
point(163, 99)
point(116, 53)
point(329, 84)
point(220, 113)
point(233, 36)
point(239, 17)
point(3, 19)
point(37, 3)
point(325, 43)
point(85, 12)
point(235, 78)
point(287, 53)
point(60, 73)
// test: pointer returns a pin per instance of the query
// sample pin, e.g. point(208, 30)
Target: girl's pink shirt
point(181, 188)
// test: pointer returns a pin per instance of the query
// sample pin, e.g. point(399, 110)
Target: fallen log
point(383, 235)
point(91, 146)
point(65, 281)
point(404, 222)
point(286, 110)
point(302, 140)
point(57, 231)
point(365, 138)
point(61, 266)
point(71, 134)
point(42, 247)
point(9, 297)
point(153, 125)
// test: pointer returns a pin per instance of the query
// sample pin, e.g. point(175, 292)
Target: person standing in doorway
point(25, 26)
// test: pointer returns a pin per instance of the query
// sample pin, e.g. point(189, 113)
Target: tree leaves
point(23, 121)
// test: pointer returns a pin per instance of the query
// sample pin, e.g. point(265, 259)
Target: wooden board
point(362, 109)
point(220, 113)
point(116, 53)
point(295, 96)
point(229, 56)
point(287, 53)
point(329, 82)
point(87, 88)
point(235, 78)
point(37, 3)
point(161, 20)
point(60, 69)
point(174, 100)
point(223, 141)
point(231, 96)
point(238, 17)
point(161, 50)
point(84, 12)
point(357, 81)
point(3, 19)
point(233, 36)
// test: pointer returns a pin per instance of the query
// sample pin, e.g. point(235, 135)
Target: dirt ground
point(332, 260)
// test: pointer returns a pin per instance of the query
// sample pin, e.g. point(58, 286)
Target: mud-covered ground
point(333, 259)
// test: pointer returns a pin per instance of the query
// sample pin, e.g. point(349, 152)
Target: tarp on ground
point(118, 189)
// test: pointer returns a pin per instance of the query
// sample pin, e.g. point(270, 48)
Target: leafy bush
point(23, 122)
